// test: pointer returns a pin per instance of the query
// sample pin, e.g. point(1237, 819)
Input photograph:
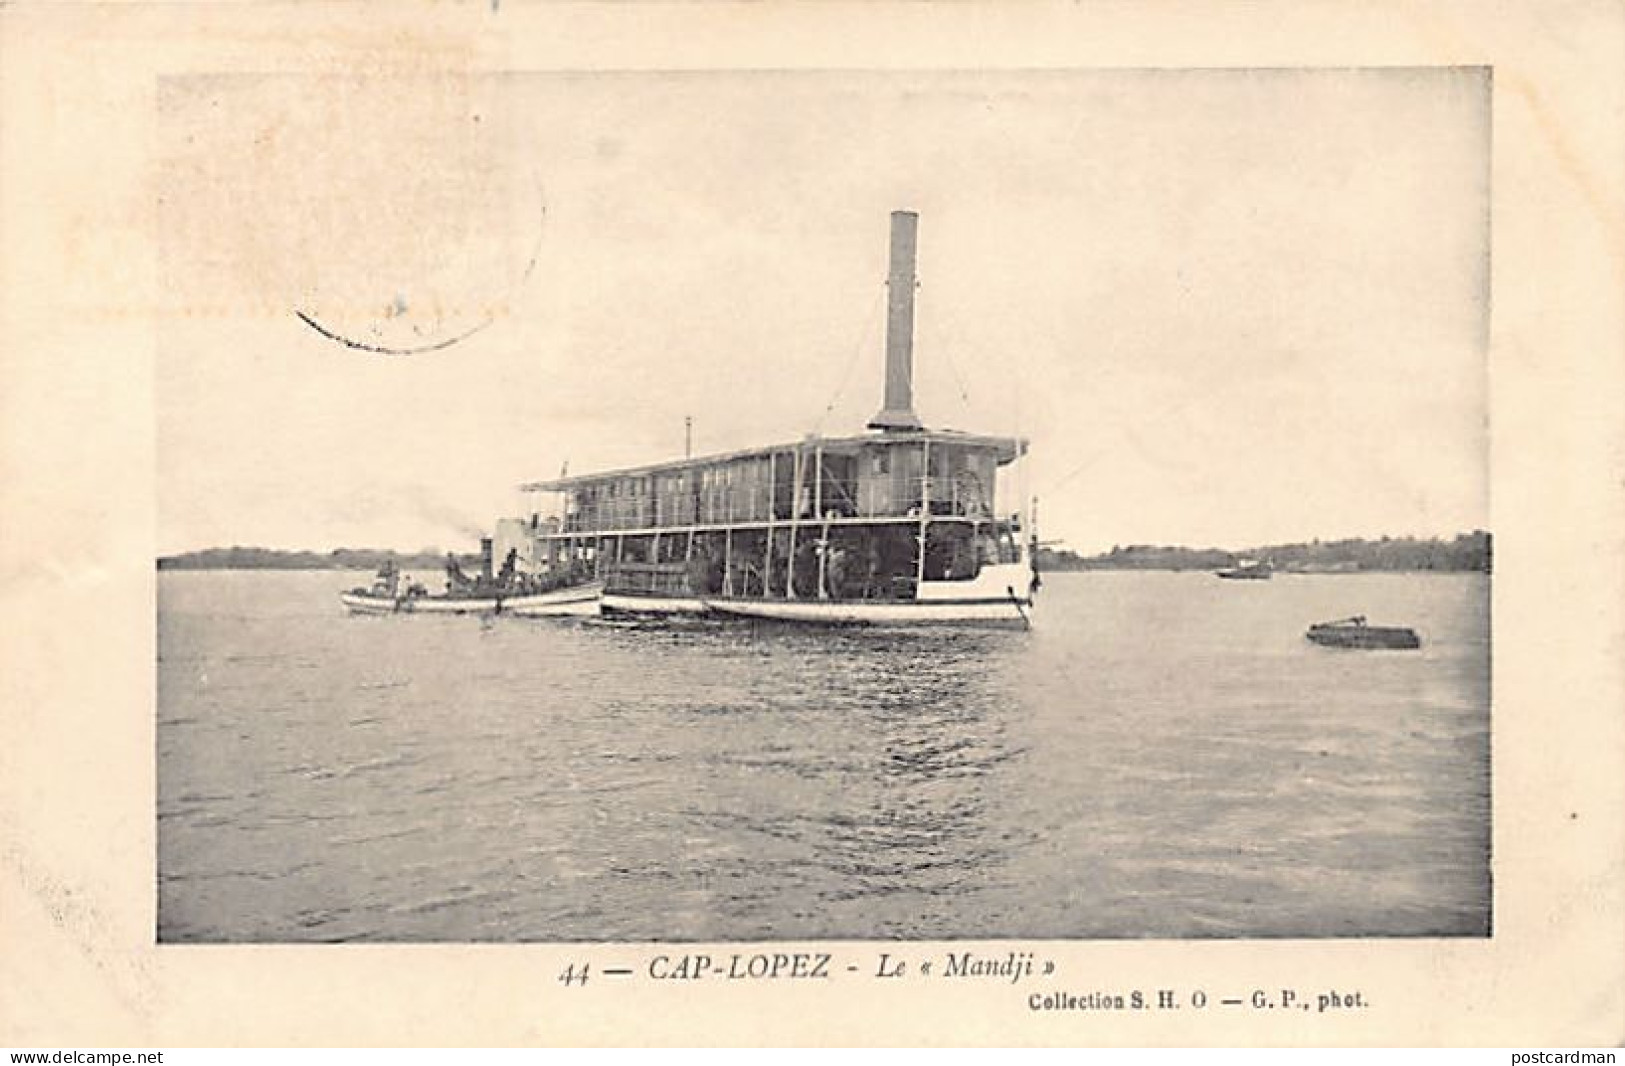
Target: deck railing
point(667, 578)
point(946, 496)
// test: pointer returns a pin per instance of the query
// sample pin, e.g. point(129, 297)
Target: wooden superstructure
point(824, 518)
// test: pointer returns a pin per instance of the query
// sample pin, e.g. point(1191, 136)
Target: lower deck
point(868, 562)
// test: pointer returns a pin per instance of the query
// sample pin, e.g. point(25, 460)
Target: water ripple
point(1161, 757)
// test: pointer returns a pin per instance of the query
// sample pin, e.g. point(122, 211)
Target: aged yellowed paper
point(317, 277)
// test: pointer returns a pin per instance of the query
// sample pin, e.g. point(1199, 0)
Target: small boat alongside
point(1356, 633)
point(388, 594)
point(576, 601)
point(370, 601)
point(565, 594)
point(1248, 570)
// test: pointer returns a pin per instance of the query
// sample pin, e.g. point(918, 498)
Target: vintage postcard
point(967, 524)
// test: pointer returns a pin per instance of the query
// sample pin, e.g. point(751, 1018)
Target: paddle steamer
point(896, 526)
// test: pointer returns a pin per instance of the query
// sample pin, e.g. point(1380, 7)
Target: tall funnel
point(898, 413)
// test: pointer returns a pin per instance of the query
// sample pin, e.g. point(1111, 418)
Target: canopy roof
point(1006, 449)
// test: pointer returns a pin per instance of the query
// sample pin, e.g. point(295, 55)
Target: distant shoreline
point(1467, 553)
point(239, 558)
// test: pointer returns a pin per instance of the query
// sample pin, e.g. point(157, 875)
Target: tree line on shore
point(239, 558)
point(1465, 553)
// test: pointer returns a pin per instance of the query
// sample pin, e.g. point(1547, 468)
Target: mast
point(795, 518)
point(823, 530)
point(728, 561)
point(925, 510)
point(772, 507)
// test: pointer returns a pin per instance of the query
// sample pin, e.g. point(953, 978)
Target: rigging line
point(852, 359)
point(964, 392)
point(953, 367)
point(1162, 414)
point(1166, 412)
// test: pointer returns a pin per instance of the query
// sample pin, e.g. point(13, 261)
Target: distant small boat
point(1248, 570)
point(1355, 633)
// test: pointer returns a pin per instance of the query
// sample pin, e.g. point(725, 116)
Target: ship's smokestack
point(898, 412)
point(485, 559)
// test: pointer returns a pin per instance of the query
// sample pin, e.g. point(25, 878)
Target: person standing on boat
point(388, 578)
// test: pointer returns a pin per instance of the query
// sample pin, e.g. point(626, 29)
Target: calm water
point(1165, 756)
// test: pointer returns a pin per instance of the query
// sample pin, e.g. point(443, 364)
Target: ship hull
point(433, 605)
point(976, 613)
point(575, 602)
point(364, 603)
point(647, 605)
point(367, 603)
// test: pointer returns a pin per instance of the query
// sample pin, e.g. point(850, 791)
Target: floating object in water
point(1355, 633)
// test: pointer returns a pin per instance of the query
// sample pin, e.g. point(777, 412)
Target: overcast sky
point(1227, 308)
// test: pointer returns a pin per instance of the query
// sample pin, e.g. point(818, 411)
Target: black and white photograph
point(780, 524)
point(990, 505)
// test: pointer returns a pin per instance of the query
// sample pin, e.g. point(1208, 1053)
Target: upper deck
point(872, 477)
